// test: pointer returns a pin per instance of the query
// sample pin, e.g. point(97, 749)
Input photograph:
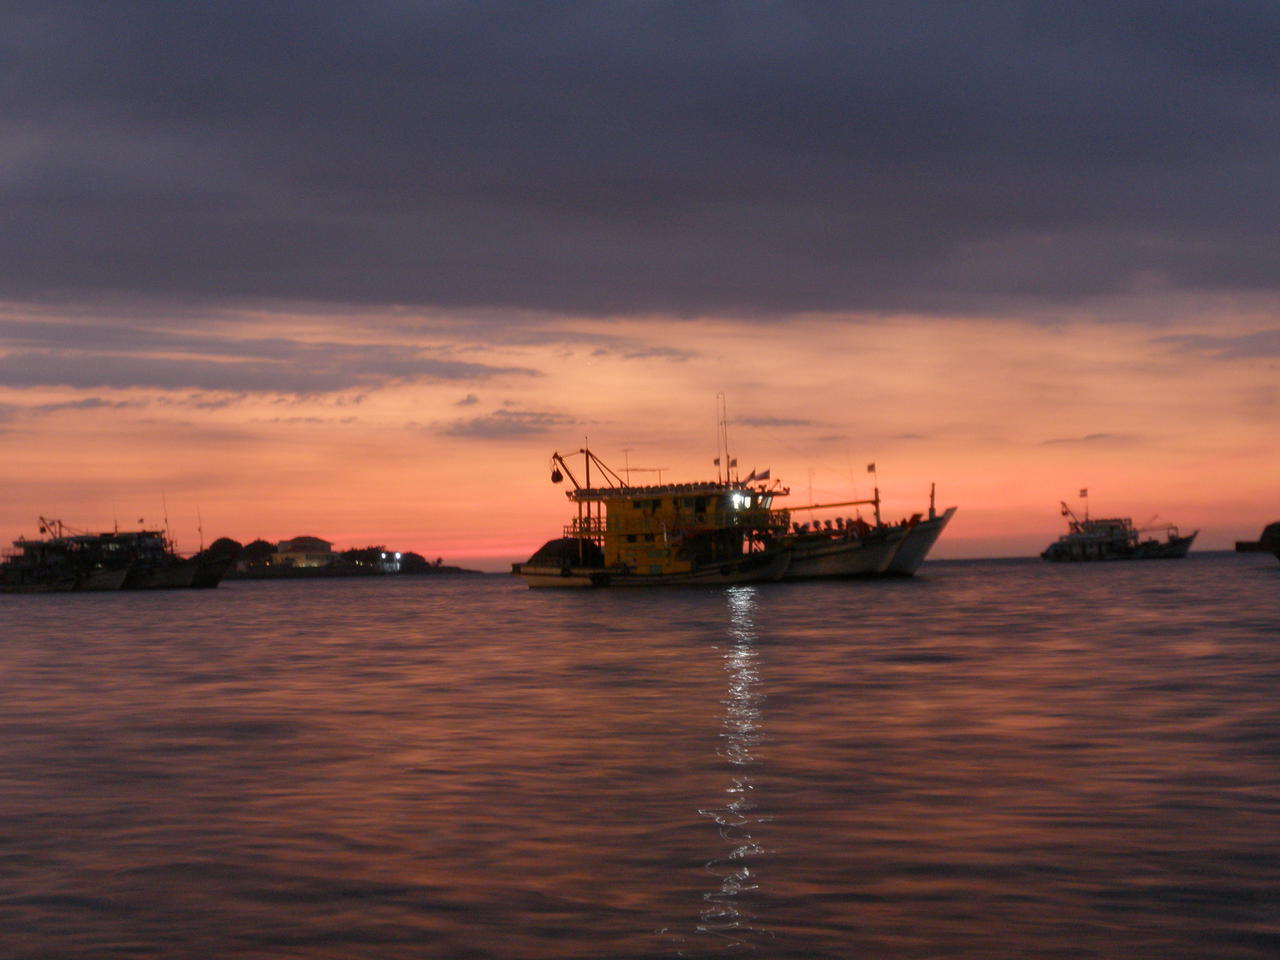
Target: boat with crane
point(726, 531)
point(1114, 538)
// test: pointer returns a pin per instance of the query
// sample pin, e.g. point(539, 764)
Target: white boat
point(917, 543)
point(842, 552)
point(1114, 538)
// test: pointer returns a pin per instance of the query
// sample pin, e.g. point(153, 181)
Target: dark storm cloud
point(630, 157)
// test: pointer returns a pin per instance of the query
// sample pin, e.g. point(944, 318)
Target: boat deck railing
point(590, 528)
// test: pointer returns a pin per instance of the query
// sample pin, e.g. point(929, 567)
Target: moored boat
point(1115, 538)
point(714, 533)
point(153, 564)
point(136, 560)
point(59, 563)
point(850, 547)
point(1267, 542)
point(918, 541)
point(676, 534)
point(843, 551)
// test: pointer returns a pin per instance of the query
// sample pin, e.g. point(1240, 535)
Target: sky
point(355, 270)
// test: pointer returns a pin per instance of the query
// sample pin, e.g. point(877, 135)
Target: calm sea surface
point(994, 760)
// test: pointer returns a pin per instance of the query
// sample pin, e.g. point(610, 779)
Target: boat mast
point(586, 456)
point(168, 537)
point(875, 486)
point(722, 441)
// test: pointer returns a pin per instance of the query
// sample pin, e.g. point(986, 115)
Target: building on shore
point(304, 552)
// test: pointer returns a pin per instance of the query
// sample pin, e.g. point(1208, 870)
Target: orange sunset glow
point(1006, 417)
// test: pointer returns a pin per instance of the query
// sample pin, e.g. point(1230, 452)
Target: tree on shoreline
point(259, 551)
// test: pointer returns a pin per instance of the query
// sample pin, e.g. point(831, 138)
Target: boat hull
point(917, 544)
point(754, 568)
point(168, 577)
point(196, 572)
point(1080, 550)
point(822, 558)
point(96, 580)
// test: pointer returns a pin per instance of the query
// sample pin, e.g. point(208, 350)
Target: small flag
point(733, 463)
point(750, 476)
point(871, 468)
point(716, 461)
point(763, 474)
point(1084, 492)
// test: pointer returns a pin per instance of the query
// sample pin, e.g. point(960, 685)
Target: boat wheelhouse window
point(631, 538)
point(648, 538)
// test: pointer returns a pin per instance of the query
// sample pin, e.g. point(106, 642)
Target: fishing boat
point(1115, 538)
point(852, 547)
point(59, 563)
point(726, 531)
point(137, 560)
point(713, 532)
point(154, 564)
point(918, 541)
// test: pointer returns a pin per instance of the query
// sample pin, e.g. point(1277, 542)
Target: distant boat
point(59, 563)
point(1268, 542)
point(65, 561)
point(153, 564)
point(1115, 538)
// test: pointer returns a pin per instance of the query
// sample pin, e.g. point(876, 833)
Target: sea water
point(992, 760)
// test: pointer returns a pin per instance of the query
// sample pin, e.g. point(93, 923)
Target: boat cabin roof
point(708, 489)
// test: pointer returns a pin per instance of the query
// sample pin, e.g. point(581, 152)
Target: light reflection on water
point(726, 916)
point(990, 761)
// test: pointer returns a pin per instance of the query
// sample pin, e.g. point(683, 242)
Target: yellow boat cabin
point(676, 528)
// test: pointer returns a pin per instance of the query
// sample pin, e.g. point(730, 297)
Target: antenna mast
point(722, 440)
point(164, 502)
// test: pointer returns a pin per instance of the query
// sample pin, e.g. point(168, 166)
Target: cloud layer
point(90, 356)
point(627, 158)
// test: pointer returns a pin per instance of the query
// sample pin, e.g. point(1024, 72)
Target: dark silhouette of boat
point(59, 563)
point(1115, 538)
point(153, 564)
point(65, 561)
point(1268, 542)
